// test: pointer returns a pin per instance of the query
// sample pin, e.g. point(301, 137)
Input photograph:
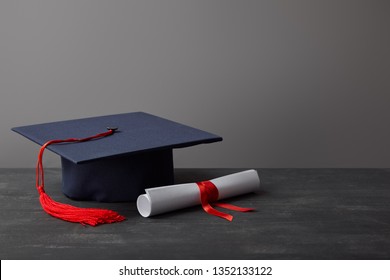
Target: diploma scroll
point(169, 198)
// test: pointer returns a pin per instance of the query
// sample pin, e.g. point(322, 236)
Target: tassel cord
point(39, 169)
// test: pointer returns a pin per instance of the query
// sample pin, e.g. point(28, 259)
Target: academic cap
point(118, 167)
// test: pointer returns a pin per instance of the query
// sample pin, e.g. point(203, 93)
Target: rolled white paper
point(169, 198)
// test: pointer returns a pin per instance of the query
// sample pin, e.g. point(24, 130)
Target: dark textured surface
point(301, 214)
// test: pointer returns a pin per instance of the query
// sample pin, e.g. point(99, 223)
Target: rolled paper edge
point(144, 205)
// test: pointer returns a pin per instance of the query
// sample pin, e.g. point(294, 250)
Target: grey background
point(286, 83)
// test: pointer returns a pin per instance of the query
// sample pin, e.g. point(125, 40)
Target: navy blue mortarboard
point(119, 167)
point(114, 159)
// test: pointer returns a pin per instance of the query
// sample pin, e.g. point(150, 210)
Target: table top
point(300, 214)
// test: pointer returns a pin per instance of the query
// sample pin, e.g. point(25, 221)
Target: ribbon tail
point(233, 207)
point(212, 211)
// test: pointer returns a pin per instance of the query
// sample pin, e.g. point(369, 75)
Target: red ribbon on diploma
point(209, 194)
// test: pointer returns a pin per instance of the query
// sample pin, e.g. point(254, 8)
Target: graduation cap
point(110, 159)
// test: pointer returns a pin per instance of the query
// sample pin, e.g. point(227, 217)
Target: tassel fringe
point(84, 216)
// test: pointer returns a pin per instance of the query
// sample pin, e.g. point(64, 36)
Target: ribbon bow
point(209, 194)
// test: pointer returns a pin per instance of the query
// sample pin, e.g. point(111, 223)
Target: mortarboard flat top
point(118, 167)
point(137, 132)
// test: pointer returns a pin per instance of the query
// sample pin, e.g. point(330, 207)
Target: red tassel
point(84, 216)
